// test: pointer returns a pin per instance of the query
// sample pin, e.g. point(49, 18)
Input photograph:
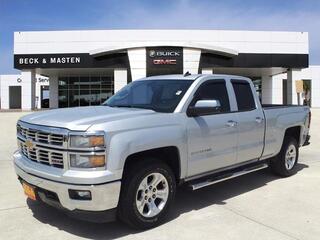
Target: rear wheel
point(285, 162)
point(147, 193)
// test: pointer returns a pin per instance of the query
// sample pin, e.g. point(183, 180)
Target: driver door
point(212, 139)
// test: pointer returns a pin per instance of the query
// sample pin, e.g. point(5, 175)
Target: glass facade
point(75, 91)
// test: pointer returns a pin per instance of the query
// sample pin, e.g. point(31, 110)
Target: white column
point(272, 89)
point(138, 63)
point(28, 89)
point(120, 79)
point(293, 76)
point(4, 92)
point(53, 92)
point(191, 60)
point(266, 88)
point(207, 71)
point(277, 88)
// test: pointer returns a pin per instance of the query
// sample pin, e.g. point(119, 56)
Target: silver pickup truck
point(125, 158)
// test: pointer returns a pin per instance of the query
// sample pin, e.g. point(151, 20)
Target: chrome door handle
point(231, 123)
point(259, 119)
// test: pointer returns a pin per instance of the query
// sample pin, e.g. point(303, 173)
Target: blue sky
point(280, 15)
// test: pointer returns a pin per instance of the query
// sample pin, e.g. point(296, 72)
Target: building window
point(75, 91)
point(257, 82)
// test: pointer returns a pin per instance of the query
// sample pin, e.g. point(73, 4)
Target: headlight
point(86, 141)
point(87, 161)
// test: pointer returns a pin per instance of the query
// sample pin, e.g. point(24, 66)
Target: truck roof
point(187, 77)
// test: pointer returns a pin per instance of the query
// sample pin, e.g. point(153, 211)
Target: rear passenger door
point(250, 122)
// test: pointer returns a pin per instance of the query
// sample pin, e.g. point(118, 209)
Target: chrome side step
point(220, 178)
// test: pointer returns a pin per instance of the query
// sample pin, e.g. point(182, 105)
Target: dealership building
point(81, 68)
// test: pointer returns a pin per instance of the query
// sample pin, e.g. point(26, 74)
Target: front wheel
point(285, 162)
point(147, 194)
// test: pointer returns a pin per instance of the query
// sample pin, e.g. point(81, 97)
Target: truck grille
point(41, 144)
point(42, 155)
point(40, 136)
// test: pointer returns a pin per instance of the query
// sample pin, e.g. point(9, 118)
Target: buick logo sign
point(152, 53)
point(156, 53)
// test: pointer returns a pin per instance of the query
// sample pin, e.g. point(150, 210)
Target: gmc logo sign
point(164, 61)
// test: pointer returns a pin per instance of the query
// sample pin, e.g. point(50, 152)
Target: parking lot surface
point(255, 206)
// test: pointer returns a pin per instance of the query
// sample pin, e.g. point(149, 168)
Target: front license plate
point(29, 191)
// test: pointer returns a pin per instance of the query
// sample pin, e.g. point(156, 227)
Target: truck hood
point(81, 118)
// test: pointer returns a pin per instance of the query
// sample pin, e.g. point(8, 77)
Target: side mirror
point(204, 107)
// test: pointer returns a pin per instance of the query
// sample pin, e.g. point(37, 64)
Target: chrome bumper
point(104, 195)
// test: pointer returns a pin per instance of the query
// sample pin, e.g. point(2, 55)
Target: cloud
point(186, 14)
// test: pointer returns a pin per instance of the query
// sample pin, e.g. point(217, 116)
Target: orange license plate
point(29, 191)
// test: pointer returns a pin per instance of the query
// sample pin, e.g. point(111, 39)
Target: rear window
point(244, 96)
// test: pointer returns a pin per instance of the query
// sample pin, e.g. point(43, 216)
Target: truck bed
point(278, 118)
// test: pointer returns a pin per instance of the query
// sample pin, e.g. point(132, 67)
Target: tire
point(284, 164)
point(133, 194)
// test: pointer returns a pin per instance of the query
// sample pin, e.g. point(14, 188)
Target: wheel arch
point(169, 155)
point(294, 132)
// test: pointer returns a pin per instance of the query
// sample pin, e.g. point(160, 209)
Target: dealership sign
point(50, 60)
point(68, 60)
point(164, 60)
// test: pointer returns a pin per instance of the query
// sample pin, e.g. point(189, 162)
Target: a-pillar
point(28, 92)
point(292, 76)
point(120, 79)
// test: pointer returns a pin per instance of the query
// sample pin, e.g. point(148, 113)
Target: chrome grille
point(40, 136)
point(42, 155)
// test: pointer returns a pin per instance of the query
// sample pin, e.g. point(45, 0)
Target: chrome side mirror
point(204, 107)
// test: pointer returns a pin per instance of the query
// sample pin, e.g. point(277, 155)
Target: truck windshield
point(157, 95)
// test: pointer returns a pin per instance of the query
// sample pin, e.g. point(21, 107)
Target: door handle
point(231, 123)
point(259, 119)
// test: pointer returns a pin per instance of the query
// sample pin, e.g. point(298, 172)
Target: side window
point(214, 90)
point(244, 96)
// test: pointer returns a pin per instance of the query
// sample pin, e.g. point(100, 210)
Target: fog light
point(80, 194)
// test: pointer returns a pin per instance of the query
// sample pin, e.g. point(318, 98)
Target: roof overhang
point(125, 46)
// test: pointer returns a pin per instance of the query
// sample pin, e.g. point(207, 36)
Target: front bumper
point(105, 196)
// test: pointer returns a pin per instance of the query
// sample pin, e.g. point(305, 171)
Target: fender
point(124, 144)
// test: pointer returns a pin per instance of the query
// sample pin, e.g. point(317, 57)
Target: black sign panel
point(164, 60)
point(255, 60)
point(70, 60)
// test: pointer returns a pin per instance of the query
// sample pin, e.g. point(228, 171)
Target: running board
point(197, 184)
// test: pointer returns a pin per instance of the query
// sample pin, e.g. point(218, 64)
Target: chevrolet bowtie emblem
point(29, 144)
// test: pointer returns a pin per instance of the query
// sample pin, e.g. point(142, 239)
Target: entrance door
point(44, 96)
point(15, 97)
